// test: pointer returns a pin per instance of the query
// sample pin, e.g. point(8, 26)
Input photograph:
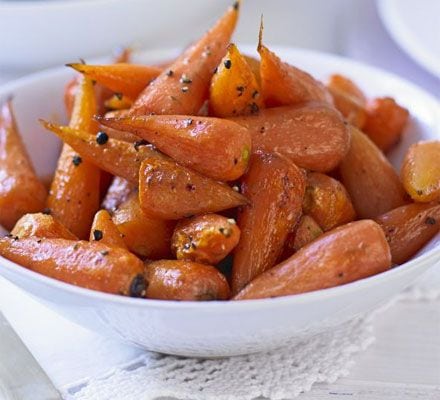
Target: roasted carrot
point(105, 231)
point(346, 254)
point(349, 99)
point(283, 84)
point(89, 265)
point(214, 147)
point(185, 280)
point(313, 135)
point(118, 157)
point(41, 225)
point(170, 191)
point(183, 87)
point(385, 122)
point(205, 239)
point(75, 191)
point(123, 78)
point(421, 171)
point(369, 178)
point(305, 232)
point(118, 102)
point(275, 188)
point(21, 191)
point(409, 228)
point(327, 201)
point(234, 89)
point(119, 191)
point(145, 236)
point(254, 64)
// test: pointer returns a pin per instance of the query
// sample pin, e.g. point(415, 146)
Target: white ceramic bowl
point(218, 328)
point(41, 33)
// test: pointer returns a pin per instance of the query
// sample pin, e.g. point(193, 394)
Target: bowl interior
point(41, 96)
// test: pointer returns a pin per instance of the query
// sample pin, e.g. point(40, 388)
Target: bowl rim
point(431, 256)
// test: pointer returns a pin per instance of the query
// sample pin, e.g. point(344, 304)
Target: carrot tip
point(260, 34)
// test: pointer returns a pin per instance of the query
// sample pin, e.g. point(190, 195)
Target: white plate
point(415, 26)
point(217, 328)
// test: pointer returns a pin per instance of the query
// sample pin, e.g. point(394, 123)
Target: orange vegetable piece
point(369, 178)
point(119, 191)
point(349, 99)
point(385, 122)
point(214, 147)
point(421, 171)
point(346, 254)
point(118, 102)
point(170, 191)
point(127, 79)
point(185, 280)
point(75, 190)
point(254, 64)
point(184, 86)
point(409, 228)
point(327, 201)
point(283, 84)
point(89, 265)
point(306, 231)
point(21, 191)
point(145, 236)
point(205, 239)
point(117, 157)
point(41, 225)
point(275, 188)
point(313, 135)
point(234, 89)
point(105, 231)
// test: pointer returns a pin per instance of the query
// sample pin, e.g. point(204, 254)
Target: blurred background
point(398, 35)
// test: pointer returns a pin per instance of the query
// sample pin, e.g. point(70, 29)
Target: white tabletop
point(404, 362)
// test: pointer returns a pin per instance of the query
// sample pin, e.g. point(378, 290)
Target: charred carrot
point(21, 191)
point(89, 265)
point(346, 254)
point(214, 147)
point(183, 87)
point(170, 191)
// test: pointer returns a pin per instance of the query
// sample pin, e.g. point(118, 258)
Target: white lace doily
point(275, 375)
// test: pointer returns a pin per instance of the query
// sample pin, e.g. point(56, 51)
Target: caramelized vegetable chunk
point(185, 280)
point(118, 157)
point(348, 99)
point(275, 188)
point(121, 78)
point(283, 84)
point(234, 88)
point(385, 122)
point(327, 201)
point(205, 239)
point(75, 190)
point(183, 87)
point(41, 225)
point(421, 171)
point(306, 231)
point(21, 191)
point(118, 192)
point(346, 254)
point(89, 265)
point(370, 179)
point(105, 231)
point(409, 228)
point(215, 147)
point(313, 135)
point(170, 191)
point(145, 236)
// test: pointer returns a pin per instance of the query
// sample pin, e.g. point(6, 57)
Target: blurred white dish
point(414, 25)
point(216, 329)
point(38, 34)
